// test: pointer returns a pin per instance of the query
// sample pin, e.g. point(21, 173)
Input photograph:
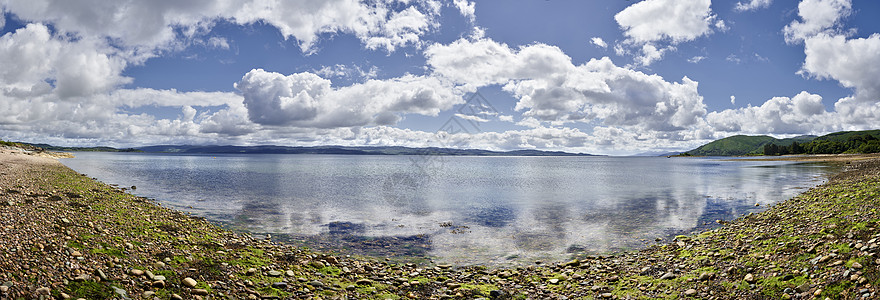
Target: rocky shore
point(66, 236)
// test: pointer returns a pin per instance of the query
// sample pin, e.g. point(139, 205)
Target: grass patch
point(89, 290)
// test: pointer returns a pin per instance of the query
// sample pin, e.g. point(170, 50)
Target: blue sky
point(604, 77)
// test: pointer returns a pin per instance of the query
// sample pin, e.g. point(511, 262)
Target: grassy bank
point(64, 235)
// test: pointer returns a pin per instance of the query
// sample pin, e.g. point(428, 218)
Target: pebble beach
point(66, 236)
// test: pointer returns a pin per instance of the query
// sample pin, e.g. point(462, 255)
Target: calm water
point(458, 210)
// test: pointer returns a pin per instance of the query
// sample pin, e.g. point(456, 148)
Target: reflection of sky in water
point(502, 209)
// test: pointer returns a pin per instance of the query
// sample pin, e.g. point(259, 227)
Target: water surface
point(458, 210)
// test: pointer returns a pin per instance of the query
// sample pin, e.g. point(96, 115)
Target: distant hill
point(745, 145)
point(347, 150)
point(731, 146)
point(754, 145)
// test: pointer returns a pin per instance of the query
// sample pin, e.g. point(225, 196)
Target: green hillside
point(732, 146)
point(838, 142)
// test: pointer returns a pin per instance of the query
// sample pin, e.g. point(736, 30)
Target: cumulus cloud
point(650, 54)
point(675, 20)
point(803, 113)
point(752, 5)
point(653, 27)
point(817, 16)
point(780, 115)
point(466, 8)
point(36, 62)
point(149, 25)
point(102, 121)
point(599, 42)
point(855, 63)
point(307, 100)
point(549, 87)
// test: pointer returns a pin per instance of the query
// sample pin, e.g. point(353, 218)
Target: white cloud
point(803, 113)
point(674, 20)
point(696, 59)
point(733, 99)
point(550, 88)
point(529, 122)
point(599, 42)
point(651, 24)
point(721, 25)
point(505, 118)
point(818, 16)
point(761, 58)
point(34, 61)
point(466, 8)
point(402, 28)
point(307, 100)
point(855, 63)
point(148, 25)
point(101, 121)
point(733, 58)
point(218, 42)
point(471, 118)
point(752, 5)
point(650, 54)
point(485, 62)
point(2, 18)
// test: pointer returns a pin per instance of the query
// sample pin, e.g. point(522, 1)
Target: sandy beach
point(66, 236)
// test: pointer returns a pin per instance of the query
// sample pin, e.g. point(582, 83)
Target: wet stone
point(280, 285)
point(274, 273)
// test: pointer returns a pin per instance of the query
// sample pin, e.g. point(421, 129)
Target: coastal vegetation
point(64, 235)
point(833, 143)
point(836, 143)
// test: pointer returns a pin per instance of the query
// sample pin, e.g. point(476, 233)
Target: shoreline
point(63, 234)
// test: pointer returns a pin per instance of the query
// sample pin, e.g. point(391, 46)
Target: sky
point(611, 77)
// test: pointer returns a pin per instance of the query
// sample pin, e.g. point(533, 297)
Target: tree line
point(856, 144)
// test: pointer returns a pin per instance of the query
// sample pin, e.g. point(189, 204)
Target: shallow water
point(457, 210)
